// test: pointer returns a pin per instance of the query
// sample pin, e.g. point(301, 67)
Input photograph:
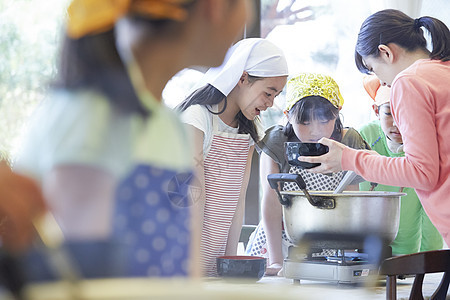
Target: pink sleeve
point(413, 110)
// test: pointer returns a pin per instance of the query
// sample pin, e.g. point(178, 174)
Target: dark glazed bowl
point(296, 149)
point(250, 267)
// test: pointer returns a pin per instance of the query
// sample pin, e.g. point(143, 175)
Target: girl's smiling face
point(312, 131)
point(259, 94)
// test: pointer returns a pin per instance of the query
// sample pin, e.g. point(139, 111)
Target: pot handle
point(285, 177)
point(274, 179)
point(319, 202)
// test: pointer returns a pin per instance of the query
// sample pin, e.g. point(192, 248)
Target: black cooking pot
point(294, 150)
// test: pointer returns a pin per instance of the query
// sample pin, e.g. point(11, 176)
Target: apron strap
point(215, 123)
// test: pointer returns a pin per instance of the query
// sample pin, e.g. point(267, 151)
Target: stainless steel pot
point(344, 214)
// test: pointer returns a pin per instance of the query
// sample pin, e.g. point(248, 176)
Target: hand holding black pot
point(329, 162)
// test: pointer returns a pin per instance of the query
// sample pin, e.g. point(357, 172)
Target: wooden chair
point(417, 264)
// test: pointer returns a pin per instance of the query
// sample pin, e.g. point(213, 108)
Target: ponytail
point(393, 26)
point(440, 37)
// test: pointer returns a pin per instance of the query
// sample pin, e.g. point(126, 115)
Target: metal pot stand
point(343, 267)
point(367, 249)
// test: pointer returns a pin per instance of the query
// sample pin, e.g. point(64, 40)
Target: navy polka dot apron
point(152, 218)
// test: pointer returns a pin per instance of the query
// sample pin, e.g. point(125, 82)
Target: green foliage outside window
point(29, 40)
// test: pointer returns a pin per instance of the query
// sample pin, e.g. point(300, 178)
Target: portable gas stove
point(347, 267)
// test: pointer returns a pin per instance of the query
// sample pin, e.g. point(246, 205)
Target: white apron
point(224, 172)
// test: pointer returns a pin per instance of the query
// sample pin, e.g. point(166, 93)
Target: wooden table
point(211, 289)
point(431, 282)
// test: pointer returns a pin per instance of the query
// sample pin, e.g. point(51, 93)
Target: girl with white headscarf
point(223, 117)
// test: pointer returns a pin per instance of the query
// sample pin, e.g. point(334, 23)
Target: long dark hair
point(92, 62)
point(393, 26)
point(311, 108)
point(209, 95)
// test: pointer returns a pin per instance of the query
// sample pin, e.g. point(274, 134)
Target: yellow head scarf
point(96, 16)
point(310, 84)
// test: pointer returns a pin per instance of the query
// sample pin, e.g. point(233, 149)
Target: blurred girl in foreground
point(110, 156)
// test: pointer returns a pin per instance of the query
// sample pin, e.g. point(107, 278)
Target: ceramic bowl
point(296, 149)
point(250, 267)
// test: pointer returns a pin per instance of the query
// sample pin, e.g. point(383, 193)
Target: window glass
point(29, 38)
point(181, 85)
point(320, 36)
point(317, 36)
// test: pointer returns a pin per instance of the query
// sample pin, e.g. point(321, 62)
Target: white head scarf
point(258, 57)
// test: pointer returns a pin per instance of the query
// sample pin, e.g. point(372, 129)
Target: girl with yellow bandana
point(313, 102)
point(114, 161)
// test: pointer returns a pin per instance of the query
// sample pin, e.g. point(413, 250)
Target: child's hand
point(273, 269)
point(329, 162)
point(21, 202)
